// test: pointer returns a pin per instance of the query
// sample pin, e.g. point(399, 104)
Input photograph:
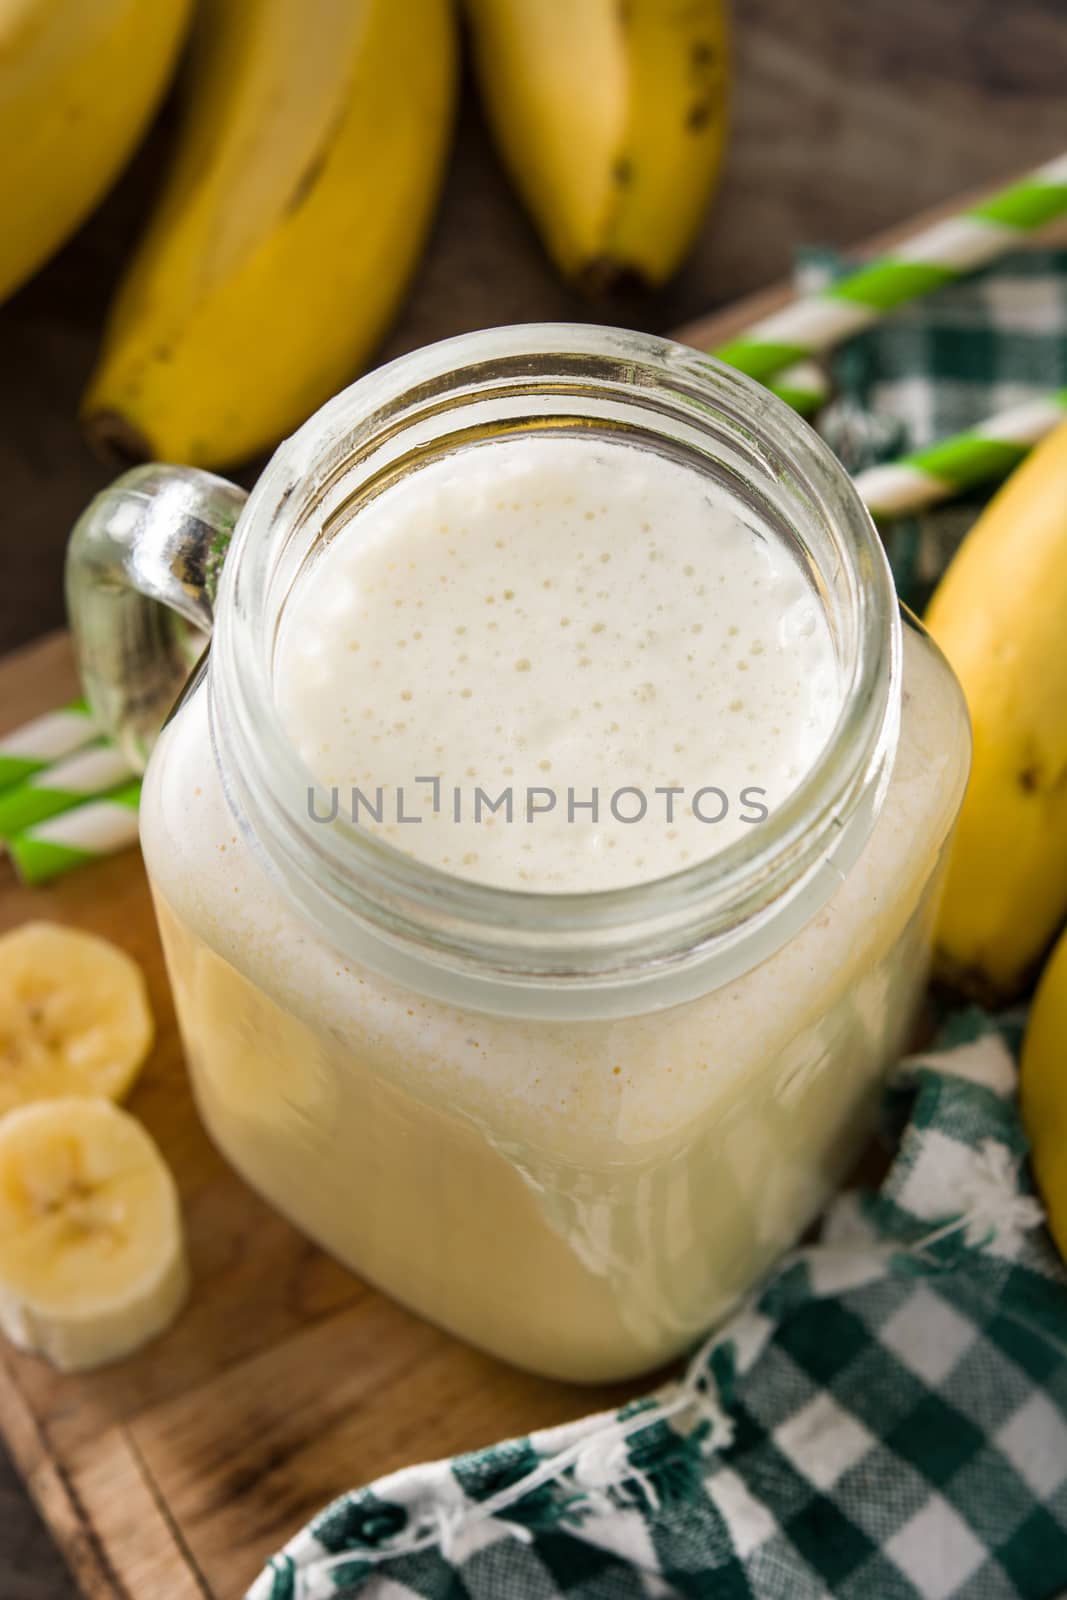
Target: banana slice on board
point(92, 1259)
point(74, 1016)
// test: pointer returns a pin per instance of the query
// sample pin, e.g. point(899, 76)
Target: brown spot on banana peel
point(115, 440)
point(306, 182)
point(1034, 778)
point(707, 107)
point(316, 163)
point(972, 982)
point(603, 277)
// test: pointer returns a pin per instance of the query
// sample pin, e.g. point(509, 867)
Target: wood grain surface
point(847, 119)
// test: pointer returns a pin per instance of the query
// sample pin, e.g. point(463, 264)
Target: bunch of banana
point(998, 614)
point(92, 1258)
point(307, 167)
point(309, 156)
point(610, 116)
point(78, 83)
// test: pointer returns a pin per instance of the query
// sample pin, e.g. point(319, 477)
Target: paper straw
point(983, 454)
point(88, 833)
point(44, 740)
point(60, 787)
point(805, 387)
point(935, 256)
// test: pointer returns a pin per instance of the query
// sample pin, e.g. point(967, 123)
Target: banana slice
point(74, 1016)
point(92, 1260)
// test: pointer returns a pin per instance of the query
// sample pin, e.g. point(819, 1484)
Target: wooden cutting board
point(286, 1380)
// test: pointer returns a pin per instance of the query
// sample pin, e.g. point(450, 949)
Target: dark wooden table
point(847, 118)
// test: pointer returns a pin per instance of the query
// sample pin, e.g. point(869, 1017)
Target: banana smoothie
point(636, 674)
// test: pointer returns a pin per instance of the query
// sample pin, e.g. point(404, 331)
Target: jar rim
point(361, 888)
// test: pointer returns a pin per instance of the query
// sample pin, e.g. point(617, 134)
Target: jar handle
point(143, 565)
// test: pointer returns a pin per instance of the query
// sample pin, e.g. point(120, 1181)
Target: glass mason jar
point(571, 1128)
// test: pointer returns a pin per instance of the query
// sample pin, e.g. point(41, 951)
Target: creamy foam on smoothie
point(551, 618)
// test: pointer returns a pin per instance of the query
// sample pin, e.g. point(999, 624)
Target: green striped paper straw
point(65, 784)
point(44, 740)
point(935, 256)
point(805, 387)
point(96, 829)
point(982, 454)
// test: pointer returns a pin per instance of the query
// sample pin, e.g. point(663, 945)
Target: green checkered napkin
point(888, 1419)
point(935, 369)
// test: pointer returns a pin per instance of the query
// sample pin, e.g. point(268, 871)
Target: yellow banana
point(998, 614)
point(611, 117)
point(302, 189)
point(77, 86)
point(1043, 1090)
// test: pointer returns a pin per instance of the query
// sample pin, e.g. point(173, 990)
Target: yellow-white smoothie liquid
point(581, 1197)
point(569, 618)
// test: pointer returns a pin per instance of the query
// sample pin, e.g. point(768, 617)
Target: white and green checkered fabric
point(888, 1419)
point(938, 367)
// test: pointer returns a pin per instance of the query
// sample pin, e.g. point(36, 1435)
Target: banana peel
point(307, 168)
point(78, 84)
point(999, 616)
point(610, 116)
